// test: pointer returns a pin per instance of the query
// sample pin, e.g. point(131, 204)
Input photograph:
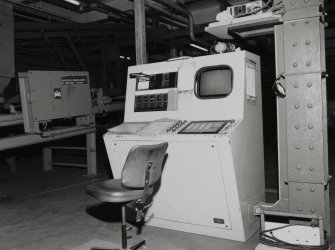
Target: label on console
point(218, 220)
point(69, 80)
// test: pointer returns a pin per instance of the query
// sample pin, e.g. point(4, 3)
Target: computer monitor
point(212, 82)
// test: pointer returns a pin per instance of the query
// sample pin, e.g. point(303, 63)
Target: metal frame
point(317, 218)
point(302, 124)
point(30, 139)
point(302, 114)
point(91, 163)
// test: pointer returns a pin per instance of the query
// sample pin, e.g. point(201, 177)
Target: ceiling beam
point(28, 26)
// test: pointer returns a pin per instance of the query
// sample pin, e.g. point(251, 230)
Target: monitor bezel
point(208, 68)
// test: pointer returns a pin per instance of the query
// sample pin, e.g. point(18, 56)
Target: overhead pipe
point(165, 13)
point(20, 7)
point(189, 15)
point(104, 8)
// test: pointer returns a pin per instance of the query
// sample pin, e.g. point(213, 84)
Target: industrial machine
point(302, 217)
point(209, 110)
point(47, 96)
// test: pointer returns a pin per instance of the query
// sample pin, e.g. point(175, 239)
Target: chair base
point(134, 247)
point(138, 245)
point(124, 235)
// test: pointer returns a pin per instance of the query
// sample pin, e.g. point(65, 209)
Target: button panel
point(154, 102)
point(176, 127)
point(180, 125)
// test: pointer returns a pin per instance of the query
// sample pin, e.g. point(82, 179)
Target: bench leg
point(47, 159)
point(91, 154)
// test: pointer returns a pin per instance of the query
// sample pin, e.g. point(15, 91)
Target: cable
point(279, 8)
point(265, 6)
point(278, 88)
point(271, 240)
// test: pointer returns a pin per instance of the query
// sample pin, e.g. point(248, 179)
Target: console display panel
point(214, 82)
point(207, 127)
point(157, 81)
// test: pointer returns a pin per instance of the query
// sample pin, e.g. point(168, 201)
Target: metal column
point(7, 64)
point(140, 35)
point(91, 154)
point(302, 114)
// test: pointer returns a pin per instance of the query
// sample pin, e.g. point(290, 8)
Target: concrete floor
point(51, 211)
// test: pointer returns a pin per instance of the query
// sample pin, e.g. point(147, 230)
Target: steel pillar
point(7, 64)
point(140, 34)
point(302, 114)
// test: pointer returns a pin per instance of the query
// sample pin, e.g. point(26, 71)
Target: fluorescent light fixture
point(122, 57)
point(198, 47)
point(75, 2)
point(128, 58)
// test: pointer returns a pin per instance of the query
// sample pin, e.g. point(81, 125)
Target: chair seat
point(113, 191)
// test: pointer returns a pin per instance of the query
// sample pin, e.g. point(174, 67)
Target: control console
point(201, 127)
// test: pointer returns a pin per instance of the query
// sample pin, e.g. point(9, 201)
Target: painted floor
point(50, 210)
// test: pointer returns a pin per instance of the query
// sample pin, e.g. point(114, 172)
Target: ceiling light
point(122, 57)
point(198, 47)
point(75, 2)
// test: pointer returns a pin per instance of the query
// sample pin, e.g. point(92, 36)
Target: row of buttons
point(154, 102)
point(176, 126)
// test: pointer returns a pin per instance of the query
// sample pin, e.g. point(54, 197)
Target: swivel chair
point(142, 169)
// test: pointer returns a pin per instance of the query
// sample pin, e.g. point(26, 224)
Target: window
point(214, 82)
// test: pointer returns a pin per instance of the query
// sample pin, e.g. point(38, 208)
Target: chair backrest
point(133, 172)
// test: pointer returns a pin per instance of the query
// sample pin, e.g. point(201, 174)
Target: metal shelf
point(249, 26)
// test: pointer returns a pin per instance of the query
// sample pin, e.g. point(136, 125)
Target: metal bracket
point(326, 184)
point(146, 201)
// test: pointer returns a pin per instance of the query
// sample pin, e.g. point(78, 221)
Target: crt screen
point(215, 82)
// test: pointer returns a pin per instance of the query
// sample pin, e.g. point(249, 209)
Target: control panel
point(154, 102)
point(156, 81)
point(201, 127)
point(155, 92)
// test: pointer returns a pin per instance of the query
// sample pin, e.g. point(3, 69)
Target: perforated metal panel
point(301, 195)
point(304, 111)
point(302, 46)
point(305, 161)
point(306, 128)
point(304, 106)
